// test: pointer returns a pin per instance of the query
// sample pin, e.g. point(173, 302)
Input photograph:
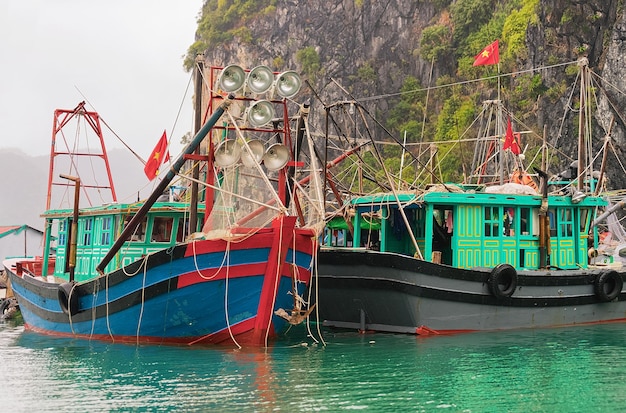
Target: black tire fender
point(68, 298)
point(503, 281)
point(608, 285)
point(4, 305)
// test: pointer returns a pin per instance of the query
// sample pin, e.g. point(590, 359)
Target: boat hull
point(373, 291)
point(207, 291)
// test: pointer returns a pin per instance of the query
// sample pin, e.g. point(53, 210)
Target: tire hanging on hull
point(68, 299)
point(608, 285)
point(502, 281)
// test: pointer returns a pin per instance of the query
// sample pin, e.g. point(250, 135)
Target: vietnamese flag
point(490, 55)
point(509, 139)
point(159, 155)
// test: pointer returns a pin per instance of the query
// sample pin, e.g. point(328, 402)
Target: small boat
point(222, 264)
point(450, 258)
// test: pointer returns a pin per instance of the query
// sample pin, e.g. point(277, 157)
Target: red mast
point(62, 118)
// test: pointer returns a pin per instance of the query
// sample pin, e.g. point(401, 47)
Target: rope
point(69, 300)
point(317, 295)
point(195, 261)
point(465, 82)
point(228, 326)
point(143, 298)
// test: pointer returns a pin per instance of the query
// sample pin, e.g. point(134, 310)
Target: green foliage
point(366, 73)
point(278, 62)
point(195, 49)
point(435, 42)
point(408, 113)
point(469, 15)
point(514, 30)
point(457, 114)
point(222, 20)
point(309, 59)
point(567, 16)
point(441, 4)
point(554, 93)
point(243, 33)
point(526, 91)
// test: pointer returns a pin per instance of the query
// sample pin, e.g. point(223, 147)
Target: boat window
point(162, 229)
point(87, 231)
point(370, 239)
point(565, 222)
point(584, 216)
point(337, 238)
point(107, 229)
point(492, 221)
point(183, 230)
point(552, 218)
point(524, 221)
point(62, 232)
point(140, 232)
point(509, 221)
point(420, 227)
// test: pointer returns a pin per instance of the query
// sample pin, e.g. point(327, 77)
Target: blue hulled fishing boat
point(225, 264)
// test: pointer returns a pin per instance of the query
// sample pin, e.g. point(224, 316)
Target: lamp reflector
point(260, 113)
point(254, 155)
point(227, 153)
point(276, 157)
point(288, 84)
point(260, 79)
point(578, 196)
point(231, 78)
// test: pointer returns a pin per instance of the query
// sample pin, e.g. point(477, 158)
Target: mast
point(582, 122)
point(193, 207)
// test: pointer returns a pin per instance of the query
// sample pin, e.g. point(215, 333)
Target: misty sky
point(124, 56)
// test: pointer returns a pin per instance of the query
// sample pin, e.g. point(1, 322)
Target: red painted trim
point(283, 227)
point(262, 238)
point(240, 331)
point(219, 245)
point(424, 331)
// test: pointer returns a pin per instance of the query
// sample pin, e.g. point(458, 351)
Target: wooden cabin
point(167, 223)
point(470, 229)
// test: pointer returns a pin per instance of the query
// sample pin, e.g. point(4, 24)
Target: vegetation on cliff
point(329, 38)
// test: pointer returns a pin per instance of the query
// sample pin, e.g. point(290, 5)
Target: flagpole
point(500, 128)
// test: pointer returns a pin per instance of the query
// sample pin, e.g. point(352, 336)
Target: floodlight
point(227, 153)
point(231, 78)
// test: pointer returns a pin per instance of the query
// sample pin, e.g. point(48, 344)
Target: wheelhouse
point(469, 229)
point(166, 224)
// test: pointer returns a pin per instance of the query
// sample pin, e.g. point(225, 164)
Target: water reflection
point(569, 369)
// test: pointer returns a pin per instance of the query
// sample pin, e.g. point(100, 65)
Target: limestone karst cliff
point(372, 49)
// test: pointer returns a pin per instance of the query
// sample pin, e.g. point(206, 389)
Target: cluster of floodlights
point(256, 83)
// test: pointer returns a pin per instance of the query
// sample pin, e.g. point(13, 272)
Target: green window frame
point(492, 221)
point(87, 225)
point(107, 231)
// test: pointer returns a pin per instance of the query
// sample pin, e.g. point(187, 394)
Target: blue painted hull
point(170, 297)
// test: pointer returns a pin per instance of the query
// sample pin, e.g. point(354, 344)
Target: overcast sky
point(124, 56)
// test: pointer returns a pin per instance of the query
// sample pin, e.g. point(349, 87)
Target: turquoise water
point(580, 369)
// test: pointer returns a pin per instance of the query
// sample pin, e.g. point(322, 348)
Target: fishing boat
point(219, 258)
point(513, 253)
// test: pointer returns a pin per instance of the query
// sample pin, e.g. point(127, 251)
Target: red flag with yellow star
point(490, 55)
point(159, 155)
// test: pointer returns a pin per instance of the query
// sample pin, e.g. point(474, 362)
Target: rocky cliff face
point(370, 47)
